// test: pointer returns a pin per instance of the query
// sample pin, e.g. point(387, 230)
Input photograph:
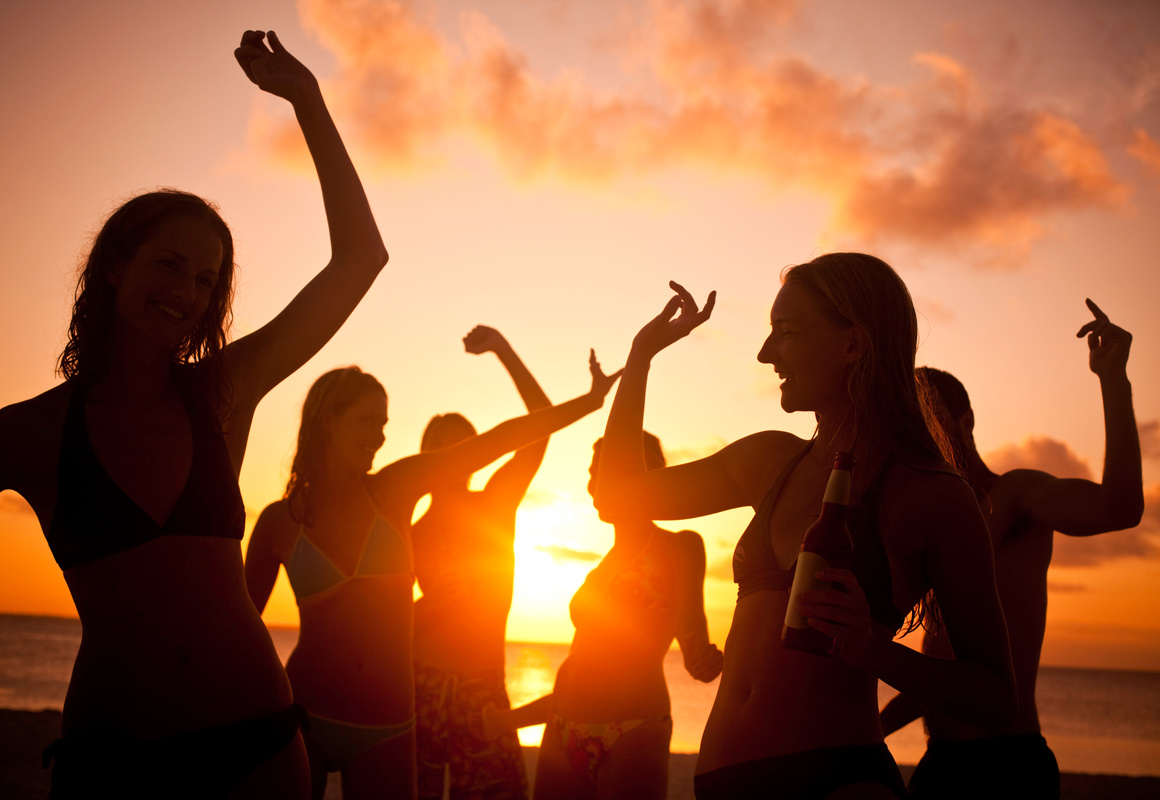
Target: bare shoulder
point(36, 412)
point(275, 530)
point(1018, 483)
point(30, 437)
point(277, 513)
point(926, 498)
point(687, 544)
point(755, 460)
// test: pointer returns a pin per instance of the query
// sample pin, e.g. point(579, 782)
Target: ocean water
point(1096, 721)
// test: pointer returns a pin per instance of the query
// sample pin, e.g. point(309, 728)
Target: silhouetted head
point(344, 414)
point(140, 221)
point(445, 430)
point(654, 458)
point(867, 347)
point(952, 408)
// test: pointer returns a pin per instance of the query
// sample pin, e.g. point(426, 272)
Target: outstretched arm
point(498, 721)
point(510, 482)
point(702, 658)
point(258, 362)
point(1079, 507)
point(417, 475)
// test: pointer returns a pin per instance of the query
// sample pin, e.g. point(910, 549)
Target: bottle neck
point(837, 489)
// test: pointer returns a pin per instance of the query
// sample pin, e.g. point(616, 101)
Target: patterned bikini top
point(644, 585)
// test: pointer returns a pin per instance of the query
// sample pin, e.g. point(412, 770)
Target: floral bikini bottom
point(587, 744)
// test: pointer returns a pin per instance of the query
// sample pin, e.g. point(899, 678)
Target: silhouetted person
point(344, 537)
point(1023, 508)
point(608, 718)
point(131, 467)
point(465, 565)
point(792, 724)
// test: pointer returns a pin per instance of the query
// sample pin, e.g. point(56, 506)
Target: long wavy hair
point(86, 354)
point(331, 394)
point(862, 291)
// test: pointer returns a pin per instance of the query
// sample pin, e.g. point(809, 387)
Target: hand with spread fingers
point(676, 321)
point(601, 383)
point(1108, 344)
point(272, 68)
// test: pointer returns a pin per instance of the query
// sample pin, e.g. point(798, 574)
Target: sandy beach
point(24, 735)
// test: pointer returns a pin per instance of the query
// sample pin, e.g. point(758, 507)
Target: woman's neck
point(630, 534)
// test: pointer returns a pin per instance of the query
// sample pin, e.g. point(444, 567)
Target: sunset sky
point(546, 166)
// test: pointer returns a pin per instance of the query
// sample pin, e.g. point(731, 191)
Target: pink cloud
point(1146, 150)
point(1042, 453)
point(1150, 438)
point(939, 162)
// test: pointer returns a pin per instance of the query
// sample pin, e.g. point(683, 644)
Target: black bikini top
point(94, 518)
point(756, 569)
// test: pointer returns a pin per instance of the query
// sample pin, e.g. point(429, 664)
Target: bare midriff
point(171, 642)
point(774, 701)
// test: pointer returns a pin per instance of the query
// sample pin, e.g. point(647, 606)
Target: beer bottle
point(827, 543)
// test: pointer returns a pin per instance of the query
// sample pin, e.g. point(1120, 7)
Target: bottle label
point(838, 488)
point(803, 580)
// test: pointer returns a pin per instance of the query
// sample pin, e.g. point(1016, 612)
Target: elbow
point(381, 256)
point(1124, 515)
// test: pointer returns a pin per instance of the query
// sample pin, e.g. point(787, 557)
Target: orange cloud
point(1146, 150)
point(1042, 453)
point(1150, 438)
point(938, 162)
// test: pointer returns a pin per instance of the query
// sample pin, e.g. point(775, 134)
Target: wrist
point(309, 102)
point(638, 358)
point(1115, 384)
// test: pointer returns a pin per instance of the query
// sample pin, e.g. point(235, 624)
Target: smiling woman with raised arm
point(131, 467)
point(791, 724)
point(344, 537)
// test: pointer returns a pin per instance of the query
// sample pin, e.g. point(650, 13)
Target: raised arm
point(510, 482)
point(702, 658)
point(1080, 507)
point(262, 559)
point(417, 475)
point(258, 362)
point(624, 488)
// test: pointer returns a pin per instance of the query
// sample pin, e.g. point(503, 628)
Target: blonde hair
point(864, 292)
point(332, 393)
